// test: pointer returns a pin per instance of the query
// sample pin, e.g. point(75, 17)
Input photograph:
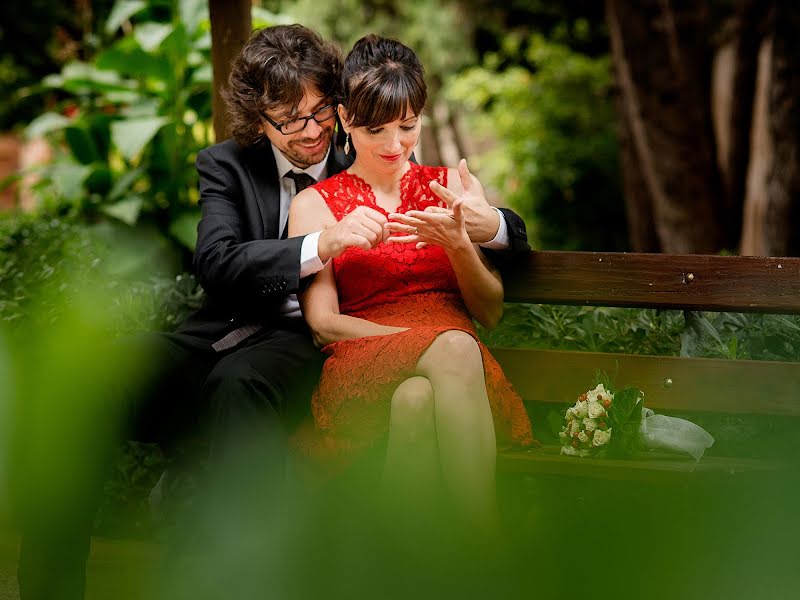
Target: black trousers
point(243, 401)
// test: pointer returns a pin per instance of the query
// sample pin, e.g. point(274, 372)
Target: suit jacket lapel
point(264, 176)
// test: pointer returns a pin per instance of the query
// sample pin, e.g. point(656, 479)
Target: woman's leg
point(412, 458)
point(464, 425)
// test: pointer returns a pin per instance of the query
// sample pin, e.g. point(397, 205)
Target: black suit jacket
point(244, 267)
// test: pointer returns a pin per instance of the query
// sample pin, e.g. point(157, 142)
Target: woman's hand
point(482, 221)
point(435, 225)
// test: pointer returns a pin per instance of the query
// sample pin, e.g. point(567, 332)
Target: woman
point(396, 319)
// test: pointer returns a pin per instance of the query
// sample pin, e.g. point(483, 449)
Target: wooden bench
point(671, 383)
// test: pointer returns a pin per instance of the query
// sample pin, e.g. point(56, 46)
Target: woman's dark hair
point(381, 79)
point(272, 70)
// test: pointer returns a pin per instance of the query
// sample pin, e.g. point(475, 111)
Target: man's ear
point(343, 118)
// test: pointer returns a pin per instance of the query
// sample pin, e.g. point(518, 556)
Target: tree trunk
point(733, 93)
point(662, 64)
point(783, 182)
point(772, 206)
point(231, 26)
point(754, 241)
point(638, 202)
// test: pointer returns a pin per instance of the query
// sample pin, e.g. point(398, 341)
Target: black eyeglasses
point(289, 127)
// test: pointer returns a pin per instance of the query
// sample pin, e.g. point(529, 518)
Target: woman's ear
point(343, 118)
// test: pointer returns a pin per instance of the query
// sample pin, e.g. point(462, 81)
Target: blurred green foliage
point(434, 29)
point(67, 290)
point(555, 156)
point(36, 38)
point(132, 118)
point(47, 262)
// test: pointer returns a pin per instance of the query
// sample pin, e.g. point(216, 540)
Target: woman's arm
point(320, 301)
point(478, 280)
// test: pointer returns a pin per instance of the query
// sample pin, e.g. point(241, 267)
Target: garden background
point(615, 126)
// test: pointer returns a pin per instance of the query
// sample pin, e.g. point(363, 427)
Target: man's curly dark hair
point(272, 70)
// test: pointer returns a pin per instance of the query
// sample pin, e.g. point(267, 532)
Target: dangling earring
point(347, 144)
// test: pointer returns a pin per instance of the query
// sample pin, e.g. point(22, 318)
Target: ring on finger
point(415, 231)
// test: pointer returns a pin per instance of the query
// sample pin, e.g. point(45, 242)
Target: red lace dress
point(398, 285)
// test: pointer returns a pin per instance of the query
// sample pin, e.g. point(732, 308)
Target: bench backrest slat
point(669, 383)
point(684, 282)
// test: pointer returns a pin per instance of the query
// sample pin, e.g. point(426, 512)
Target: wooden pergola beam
point(231, 25)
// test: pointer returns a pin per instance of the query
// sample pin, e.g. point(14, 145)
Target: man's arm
point(230, 262)
point(517, 241)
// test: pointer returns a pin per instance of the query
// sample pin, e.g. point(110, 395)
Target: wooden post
point(231, 25)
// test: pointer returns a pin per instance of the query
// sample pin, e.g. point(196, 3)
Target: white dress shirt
point(309, 258)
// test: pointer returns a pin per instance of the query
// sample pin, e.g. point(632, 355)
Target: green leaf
point(100, 130)
point(192, 13)
point(122, 11)
point(176, 47)
point(626, 405)
point(81, 145)
point(202, 75)
point(786, 322)
point(99, 180)
point(77, 71)
point(126, 210)
point(131, 60)
point(184, 228)
point(146, 107)
point(68, 178)
point(44, 124)
point(132, 135)
point(150, 35)
point(125, 182)
point(203, 43)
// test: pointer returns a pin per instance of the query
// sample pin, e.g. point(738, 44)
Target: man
point(241, 369)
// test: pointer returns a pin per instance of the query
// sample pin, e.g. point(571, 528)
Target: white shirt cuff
point(500, 240)
point(310, 262)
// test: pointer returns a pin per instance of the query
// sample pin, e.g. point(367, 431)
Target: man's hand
point(482, 221)
point(362, 228)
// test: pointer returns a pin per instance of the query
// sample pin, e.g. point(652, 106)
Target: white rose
point(583, 437)
point(600, 389)
point(574, 427)
point(601, 437)
point(581, 409)
point(595, 410)
point(590, 424)
point(563, 436)
point(569, 451)
point(599, 392)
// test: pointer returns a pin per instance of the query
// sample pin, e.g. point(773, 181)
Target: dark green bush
point(47, 265)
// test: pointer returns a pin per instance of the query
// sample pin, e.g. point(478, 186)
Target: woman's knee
point(412, 403)
point(454, 353)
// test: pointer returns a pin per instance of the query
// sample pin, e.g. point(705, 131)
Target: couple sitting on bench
point(391, 260)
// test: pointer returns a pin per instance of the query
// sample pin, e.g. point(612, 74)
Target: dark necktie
point(301, 180)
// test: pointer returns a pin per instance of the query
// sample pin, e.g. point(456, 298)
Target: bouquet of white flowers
point(603, 422)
